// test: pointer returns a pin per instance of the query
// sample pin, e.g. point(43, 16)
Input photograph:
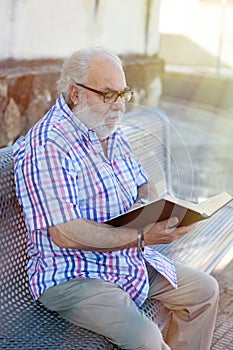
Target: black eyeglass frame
point(104, 94)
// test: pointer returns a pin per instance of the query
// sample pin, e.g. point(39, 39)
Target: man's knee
point(210, 287)
point(142, 336)
point(196, 283)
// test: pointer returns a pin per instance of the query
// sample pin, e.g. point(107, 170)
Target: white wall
point(206, 25)
point(55, 28)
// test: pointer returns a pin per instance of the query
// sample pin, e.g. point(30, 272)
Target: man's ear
point(74, 95)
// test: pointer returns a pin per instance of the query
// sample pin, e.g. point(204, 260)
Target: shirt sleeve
point(48, 189)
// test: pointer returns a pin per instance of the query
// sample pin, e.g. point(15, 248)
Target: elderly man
point(74, 170)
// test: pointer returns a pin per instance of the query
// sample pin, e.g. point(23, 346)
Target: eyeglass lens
point(113, 96)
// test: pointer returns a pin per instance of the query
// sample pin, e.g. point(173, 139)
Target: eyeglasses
point(112, 96)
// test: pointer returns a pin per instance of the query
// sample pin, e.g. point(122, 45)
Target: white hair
point(75, 68)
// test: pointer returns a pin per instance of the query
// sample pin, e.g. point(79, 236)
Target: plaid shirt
point(61, 174)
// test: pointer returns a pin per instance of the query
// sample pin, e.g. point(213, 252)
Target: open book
point(168, 206)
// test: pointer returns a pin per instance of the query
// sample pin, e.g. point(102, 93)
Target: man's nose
point(119, 105)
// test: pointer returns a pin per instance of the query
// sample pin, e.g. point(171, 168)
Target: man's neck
point(104, 146)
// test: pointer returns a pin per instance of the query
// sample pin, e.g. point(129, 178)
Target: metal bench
point(27, 325)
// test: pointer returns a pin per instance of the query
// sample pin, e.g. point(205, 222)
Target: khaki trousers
point(105, 308)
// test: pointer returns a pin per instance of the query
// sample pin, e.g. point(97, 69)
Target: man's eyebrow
point(108, 89)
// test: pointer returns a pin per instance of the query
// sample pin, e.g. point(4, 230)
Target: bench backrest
point(13, 237)
point(148, 132)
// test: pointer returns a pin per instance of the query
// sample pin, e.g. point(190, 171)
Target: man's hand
point(164, 232)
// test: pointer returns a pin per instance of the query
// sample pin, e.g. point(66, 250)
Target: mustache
point(114, 115)
point(110, 120)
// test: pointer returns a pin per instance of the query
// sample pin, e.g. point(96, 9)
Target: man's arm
point(89, 235)
point(147, 191)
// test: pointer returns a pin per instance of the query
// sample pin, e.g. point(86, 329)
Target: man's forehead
point(105, 70)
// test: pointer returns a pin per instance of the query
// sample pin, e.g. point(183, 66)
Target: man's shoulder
point(50, 130)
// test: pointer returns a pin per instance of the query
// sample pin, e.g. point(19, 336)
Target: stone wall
point(28, 90)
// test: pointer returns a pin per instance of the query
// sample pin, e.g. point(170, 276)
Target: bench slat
point(202, 248)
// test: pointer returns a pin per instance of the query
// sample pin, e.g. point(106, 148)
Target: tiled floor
point(223, 335)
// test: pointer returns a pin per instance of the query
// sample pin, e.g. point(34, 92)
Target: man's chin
point(106, 132)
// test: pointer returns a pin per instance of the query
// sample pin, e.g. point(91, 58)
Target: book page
point(213, 204)
point(184, 203)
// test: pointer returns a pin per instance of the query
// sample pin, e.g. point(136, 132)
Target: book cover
point(168, 206)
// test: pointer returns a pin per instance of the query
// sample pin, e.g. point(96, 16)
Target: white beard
point(96, 118)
